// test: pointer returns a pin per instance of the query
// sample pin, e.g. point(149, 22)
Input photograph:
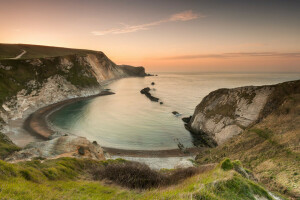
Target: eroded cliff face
point(33, 83)
point(225, 113)
point(65, 146)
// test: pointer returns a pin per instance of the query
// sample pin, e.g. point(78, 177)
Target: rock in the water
point(65, 146)
point(176, 113)
point(146, 91)
point(186, 119)
point(161, 103)
point(152, 83)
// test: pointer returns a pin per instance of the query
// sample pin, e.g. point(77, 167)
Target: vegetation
point(36, 51)
point(6, 146)
point(70, 178)
point(270, 148)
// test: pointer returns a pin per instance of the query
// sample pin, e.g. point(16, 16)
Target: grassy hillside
point(269, 148)
point(69, 178)
point(36, 51)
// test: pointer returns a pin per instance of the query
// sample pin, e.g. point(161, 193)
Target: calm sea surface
point(128, 120)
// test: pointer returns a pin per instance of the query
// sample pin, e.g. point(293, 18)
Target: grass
point(28, 180)
point(269, 149)
point(6, 146)
point(36, 51)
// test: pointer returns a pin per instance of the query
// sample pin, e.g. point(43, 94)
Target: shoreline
point(36, 124)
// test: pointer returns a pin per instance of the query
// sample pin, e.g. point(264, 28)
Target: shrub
point(130, 174)
point(32, 174)
point(137, 175)
point(226, 164)
point(7, 170)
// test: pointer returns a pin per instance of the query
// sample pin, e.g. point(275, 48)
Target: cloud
point(183, 16)
point(233, 55)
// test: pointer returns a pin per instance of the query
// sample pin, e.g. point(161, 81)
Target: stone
point(81, 150)
point(186, 119)
point(176, 113)
point(146, 91)
point(64, 146)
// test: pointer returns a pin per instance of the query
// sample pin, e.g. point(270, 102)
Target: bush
point(7, 170)
point(130, 174)
point(136, 175)
point(32, 174)
point(226, 164)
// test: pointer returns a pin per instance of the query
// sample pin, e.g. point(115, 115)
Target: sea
point(129, 120)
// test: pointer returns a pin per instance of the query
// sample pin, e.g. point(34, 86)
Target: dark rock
point(146, 91)
point(161, 103)
point(95, 142)
point(186, 119)
point(175, 113)
point(81, 150)
point(152, 83)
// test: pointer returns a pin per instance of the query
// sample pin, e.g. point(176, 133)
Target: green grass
point(70, 179)
point(226, 164)
point(36, 51)
point(6, 146)
point(268, 149)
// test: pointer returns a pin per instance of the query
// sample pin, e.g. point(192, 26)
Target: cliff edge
point(225, 113)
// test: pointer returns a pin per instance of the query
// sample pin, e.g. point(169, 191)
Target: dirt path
point(19, 56)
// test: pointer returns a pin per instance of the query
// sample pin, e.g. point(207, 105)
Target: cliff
point(225, 113)
point(44, 75)
point(270, 145)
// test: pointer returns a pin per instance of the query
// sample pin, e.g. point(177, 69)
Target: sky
point(165, 35)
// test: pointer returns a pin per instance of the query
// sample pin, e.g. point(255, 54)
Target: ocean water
point(129, 120)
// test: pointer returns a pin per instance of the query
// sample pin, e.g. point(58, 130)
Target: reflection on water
point(128, 120)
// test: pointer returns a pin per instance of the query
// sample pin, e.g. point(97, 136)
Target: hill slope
point(8, 51)
point(269, 144)
point(46, 75)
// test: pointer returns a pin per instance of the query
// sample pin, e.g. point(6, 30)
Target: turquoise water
point(128, 120)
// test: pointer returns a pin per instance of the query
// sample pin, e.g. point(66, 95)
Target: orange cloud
point(183, 16)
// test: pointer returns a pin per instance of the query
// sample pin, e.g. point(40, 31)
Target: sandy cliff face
point(225, 113)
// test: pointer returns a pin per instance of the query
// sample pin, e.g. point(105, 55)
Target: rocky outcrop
point(65, 146)
point(146, 91)
point(225, 113)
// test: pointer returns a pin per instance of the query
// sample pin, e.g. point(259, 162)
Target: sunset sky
point(164, 35)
